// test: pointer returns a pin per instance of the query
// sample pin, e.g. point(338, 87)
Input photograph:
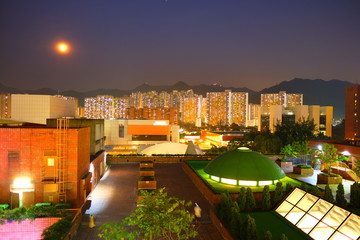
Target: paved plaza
point(114, 198)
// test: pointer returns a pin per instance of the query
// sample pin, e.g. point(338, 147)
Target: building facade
point(136, 132)
point(225, 108)
point(352, 113)
point(322, 117)
point(282, 98)
point(44, 165)
point(37, 108)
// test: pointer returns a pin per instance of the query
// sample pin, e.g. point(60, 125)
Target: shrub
point(278, 194)
point(355, 195)
point(250, 203)
point(340, 198)
point(316, 191)
point(267, 235)
point(235, 223)
point(328, 196)
point(283, 237)
point(249, 229)
point(241, 199)
point(266, 199)
point(288, 188)
point(58, 230)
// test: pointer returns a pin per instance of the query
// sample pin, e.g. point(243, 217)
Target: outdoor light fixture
point(320, 147)
point(21, 185)
point(346, 153)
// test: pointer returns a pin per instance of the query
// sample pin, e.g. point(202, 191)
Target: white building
point(126, 132)
point(321, 115)
point(37, 108)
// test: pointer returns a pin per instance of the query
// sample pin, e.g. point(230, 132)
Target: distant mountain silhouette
point(316, 92)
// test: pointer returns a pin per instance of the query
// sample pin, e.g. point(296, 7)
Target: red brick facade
point(24, 153)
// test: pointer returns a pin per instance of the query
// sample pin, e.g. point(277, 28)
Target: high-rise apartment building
point(352, 113)
point(282, 98)
point(37, 108)
point(322, 117)
point(254, 114)
point(227, 107)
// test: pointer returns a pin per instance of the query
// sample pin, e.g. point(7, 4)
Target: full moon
point(62, 48)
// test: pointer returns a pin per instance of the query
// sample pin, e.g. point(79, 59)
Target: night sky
point(125, 43)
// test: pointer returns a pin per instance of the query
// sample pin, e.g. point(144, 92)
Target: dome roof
point(170, 148)
point(244, 164)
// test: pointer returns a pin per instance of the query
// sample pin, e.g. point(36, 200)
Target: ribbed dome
point(244, 164)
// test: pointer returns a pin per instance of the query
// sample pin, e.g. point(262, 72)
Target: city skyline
point(123, 44)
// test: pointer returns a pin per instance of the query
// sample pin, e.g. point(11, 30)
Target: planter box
point(303, 171)
point(147, 182)
point(287, 167)
point(328, 180)
point(147, 172)
point(146, 164)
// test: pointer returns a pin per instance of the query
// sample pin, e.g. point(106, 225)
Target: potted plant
point(329, 156)
point(287, 152)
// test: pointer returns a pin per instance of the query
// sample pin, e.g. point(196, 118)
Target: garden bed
point(324, 178)
point(147, 182)
point(147, 172)
point(303, 170)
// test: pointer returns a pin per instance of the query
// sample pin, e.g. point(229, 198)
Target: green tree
point(288, 188)
point(223, 209)
point(267, 143)
point(267, 235)
point(250, 203)
point(355, 195)
point(315, 191)
point(249, 229)
point(235, 222)
point(241, 199)
point(278, 193)
point(328, 196)
point(340, 198)
point(328, 154)
point(283, 237)
point(266, 199)
point(158, 216)
point(300, 131)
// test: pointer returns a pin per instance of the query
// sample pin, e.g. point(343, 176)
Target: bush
point(266, 199)
point(340, 198)
point(241, 199)
point(355, 195)
point(250, 203)
point(58, 230)
point(278, 194)
point(267, 235)
point(249, 229)
point(328, 196)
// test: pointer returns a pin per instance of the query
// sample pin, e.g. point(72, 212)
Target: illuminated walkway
point(114, 197)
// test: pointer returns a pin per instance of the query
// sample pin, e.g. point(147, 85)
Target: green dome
point(244, 164)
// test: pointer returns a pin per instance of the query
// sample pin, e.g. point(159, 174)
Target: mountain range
point(315, 91)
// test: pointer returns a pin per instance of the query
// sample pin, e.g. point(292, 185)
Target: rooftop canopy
point(244, 167)
point(171, 148)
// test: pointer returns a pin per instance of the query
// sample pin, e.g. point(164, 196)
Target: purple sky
point(124, 43)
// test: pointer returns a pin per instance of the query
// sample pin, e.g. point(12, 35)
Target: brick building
point(41, 164)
